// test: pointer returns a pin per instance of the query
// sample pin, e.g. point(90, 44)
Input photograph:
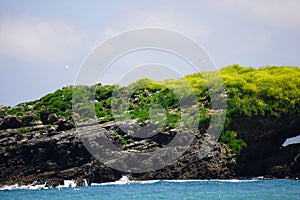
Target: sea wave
point(24, 187)
point(122, 181)
point(211, 180)
point(234, 180)
point(35, 186)
point(126, 180)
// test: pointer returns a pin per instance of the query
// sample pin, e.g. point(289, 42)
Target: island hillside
point(39, 142)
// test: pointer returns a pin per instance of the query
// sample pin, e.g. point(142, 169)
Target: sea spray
point(68, 184)
point(33, 186)
point(85, 182)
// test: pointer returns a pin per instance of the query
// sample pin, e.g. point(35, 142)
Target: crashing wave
point(124, 180)
point(33, 186)
point(68, 184)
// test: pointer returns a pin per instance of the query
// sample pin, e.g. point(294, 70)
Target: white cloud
point(278, 13)
point(37, 40)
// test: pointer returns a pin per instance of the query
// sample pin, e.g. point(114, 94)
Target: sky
point(43, 44)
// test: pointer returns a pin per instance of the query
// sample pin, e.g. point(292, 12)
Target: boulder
point(48, 118)
point(64, 124)
point(27, 119)
point(11, 121)
point(279, 171)
point(52, 119)
point(44, 117)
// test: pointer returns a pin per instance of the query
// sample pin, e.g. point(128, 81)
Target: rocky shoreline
point(34, 152)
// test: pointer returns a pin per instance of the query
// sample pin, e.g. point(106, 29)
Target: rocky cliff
point(265, 155)
point(56, 153)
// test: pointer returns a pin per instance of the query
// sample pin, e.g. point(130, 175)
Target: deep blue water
point(258, 189)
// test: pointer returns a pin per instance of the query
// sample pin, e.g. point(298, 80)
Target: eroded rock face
point(216, 164)
point(264, 155)
point(59, 155)
point(56, 153)
point(46, 158)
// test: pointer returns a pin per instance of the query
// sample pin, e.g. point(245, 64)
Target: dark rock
point(11, 121)
point(48, 118)
point(279, 171)
point(295, 164)
point(58, 153)
point(64, 124)
point(27, 120)
point(52, 119)
point(264, 154)
point(44, 117)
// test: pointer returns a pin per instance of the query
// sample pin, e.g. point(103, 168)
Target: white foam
point(32, 186)
point(186, 180)
point(124, 181)
point(9, 187)
point(85, 182)
point(147, 182)
point(68, 184)
point(233, 180)
point(96, 184)
point(211, 180)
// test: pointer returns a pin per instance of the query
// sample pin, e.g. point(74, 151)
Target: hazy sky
point(43, 43)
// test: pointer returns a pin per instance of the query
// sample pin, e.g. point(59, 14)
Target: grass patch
point(24, 130)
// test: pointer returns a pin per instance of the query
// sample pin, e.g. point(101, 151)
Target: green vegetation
point(230, 138)
point(15, 111)
point(58, 102)
point(24, 130)
point(123, 140)
point(267, 92)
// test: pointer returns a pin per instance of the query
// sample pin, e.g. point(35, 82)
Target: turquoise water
point(218, 189)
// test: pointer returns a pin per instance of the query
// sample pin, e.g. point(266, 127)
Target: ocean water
point(163, 189)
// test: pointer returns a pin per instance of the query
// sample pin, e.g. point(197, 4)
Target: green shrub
point(123, 140)
point(2, 112)
point(24, 130)
point(37, 116)
point(141, 115)
point(268, 91)
point(104, 92)
point(235, 144)
point(64, 114)
point(26, 109)
point(15, 112)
